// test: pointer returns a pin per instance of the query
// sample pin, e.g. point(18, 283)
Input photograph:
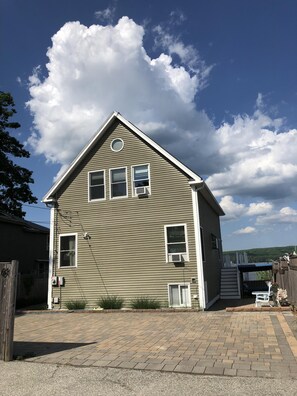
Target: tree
point(14, 179)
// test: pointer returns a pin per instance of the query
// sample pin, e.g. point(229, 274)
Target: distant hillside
point(261, 255)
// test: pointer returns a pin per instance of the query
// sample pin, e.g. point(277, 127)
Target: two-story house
point(129, 219)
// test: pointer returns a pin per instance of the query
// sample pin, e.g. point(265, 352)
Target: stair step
point(229, 284)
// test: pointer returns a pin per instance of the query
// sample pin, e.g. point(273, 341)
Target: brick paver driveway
point(242, 344)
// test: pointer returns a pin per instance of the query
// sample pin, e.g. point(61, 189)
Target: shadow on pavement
point(28, 349)
point(221, 305)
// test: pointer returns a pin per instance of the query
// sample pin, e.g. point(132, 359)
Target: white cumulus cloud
point(246, 230)
point(259, 159)
point(259, 208)
point(234, 210)
point(285, 215)
point(105, 15)
point(92, 71)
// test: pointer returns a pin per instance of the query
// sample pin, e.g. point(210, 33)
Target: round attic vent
point(117, 145)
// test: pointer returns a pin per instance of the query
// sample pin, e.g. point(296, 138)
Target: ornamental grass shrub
point(76, 304)
point(145, 302)
point(110, 302)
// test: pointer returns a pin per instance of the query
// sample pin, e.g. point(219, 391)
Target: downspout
point(195, 187)
point(51, 258)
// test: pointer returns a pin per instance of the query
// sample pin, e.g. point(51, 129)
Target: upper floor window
point(176, 242)
point(141, 179)
point(96, 185)
point(67, 250)
point(118, 183)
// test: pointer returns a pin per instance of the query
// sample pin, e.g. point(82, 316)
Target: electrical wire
point(35, 207)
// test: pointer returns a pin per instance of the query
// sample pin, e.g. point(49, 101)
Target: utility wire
point(36, 207)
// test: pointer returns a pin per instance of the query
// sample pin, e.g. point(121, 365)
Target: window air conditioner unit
point(141, 191)
point(176, 258)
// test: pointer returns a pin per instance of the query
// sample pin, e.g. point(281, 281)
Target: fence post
point(8, 289)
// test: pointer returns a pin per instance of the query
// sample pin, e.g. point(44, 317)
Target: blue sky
point(214, 82)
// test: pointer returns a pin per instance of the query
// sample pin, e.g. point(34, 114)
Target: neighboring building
point(129, 219)
point(28, 243)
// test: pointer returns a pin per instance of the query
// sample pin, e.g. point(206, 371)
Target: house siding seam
point(125, 255)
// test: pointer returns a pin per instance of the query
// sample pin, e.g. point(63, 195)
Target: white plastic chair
point(263, 297)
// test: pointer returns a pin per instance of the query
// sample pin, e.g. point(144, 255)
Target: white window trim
point(189, 294)
point(89, 185)
point(126, 173)
point(187, 258)
point(59, 251)
point(117, 151)
point(132, 179)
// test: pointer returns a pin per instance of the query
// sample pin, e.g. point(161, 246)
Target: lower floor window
point(179, 295)
point(67, 251)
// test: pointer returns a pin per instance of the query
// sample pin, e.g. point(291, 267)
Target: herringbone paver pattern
point(231, 344)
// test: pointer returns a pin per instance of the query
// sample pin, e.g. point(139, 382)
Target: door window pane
point(174, 295)
point(184, 295)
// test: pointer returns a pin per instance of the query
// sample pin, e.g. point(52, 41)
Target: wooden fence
point(286, 276)
point(8, 288)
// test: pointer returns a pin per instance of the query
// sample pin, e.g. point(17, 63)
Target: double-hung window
point(140, 179)
point(179, 295)
point(67, 250)
point(176, 241)
point(96, 185)
point(118, 183)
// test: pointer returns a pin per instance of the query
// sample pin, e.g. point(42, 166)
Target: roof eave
point(49, 197)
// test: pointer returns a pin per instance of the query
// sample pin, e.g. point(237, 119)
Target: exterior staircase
point(229, 284)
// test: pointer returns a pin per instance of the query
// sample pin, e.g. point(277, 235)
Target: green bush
point(110, 302)
point(145, 303)
point(76, 304)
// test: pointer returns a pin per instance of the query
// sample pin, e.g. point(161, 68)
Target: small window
point(118, 183)
point(141, 179)
point(67, 250)
point(176, 241)
point(96, 185)
point(179, 295)
point(214, 242)
point(117, 145)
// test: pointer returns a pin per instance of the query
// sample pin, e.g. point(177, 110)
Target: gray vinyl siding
point(210, 223)
point(126, 253)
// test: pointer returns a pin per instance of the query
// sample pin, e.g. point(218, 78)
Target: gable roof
point(194, 177)
point(27, 225)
